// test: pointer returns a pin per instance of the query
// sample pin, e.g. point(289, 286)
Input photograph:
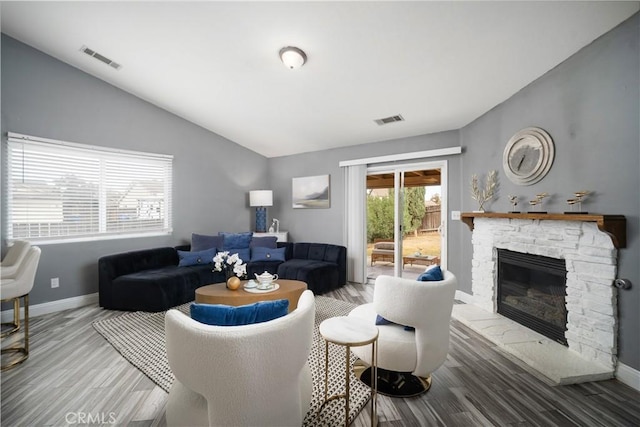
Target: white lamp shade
point(292, 57)
point(261, 198)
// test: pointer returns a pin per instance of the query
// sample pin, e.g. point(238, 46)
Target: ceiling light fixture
point(293, 57)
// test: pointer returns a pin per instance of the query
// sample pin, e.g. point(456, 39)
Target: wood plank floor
point(74, 377)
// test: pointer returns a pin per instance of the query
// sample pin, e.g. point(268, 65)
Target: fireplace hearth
point(590, 258)
point(532, 291)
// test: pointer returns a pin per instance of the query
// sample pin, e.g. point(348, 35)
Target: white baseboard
point(627, 375)
point(52, 306)
point(464, 297)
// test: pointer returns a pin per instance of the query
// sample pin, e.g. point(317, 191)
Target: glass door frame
point(398, 170)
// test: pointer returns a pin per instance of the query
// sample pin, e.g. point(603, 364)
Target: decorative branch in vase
point(488, 192)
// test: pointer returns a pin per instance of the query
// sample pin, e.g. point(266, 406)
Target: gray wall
point(325, 225)
point(589, 105)
point(42, 96)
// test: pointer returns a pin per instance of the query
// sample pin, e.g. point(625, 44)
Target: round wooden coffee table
point(219, 294)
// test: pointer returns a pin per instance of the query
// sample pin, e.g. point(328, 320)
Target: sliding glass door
point(405, 220)
point(384, 195)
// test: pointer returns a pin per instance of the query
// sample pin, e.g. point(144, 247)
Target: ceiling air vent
point(100, 58)
point(391, 119)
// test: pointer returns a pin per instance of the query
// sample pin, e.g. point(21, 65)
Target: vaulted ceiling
point(438, 64)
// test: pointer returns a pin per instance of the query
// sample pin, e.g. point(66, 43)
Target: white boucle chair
point(250, 375)
point(426, 306)
point(12, 260)
point(12, 288)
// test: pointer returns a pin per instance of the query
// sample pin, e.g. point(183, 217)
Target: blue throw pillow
point(200, 242)
point(196, 258)
point(243, 253)
point(382, 321)
point(267, 254)
point(236, 240)
point(264, 242)
point(226, 315)
point(431, 275)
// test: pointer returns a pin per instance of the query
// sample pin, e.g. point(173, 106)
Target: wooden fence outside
point(431, 220)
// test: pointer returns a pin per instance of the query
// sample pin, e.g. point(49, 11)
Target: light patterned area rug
point(139, 337)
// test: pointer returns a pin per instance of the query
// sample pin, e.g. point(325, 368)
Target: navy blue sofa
point(150, 279)
point(322, 266)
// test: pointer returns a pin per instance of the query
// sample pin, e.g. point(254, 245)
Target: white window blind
point(61, 191)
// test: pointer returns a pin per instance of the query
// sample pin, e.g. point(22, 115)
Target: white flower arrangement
point(223, 261)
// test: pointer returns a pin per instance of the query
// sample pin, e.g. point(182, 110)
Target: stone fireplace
point(590, 258)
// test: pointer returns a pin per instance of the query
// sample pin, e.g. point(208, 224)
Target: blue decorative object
point(432, 274)
point(260, 199)
point(226, 315)
point(196, 258)
point(236, 240)
point(261, 219)
point(267, 254)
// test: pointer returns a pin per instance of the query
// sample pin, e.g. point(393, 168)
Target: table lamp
point(260, 199)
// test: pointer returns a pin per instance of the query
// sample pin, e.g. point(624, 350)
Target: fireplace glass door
point(532, 291)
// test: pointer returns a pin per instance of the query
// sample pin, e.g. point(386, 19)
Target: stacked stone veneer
point(591, 269)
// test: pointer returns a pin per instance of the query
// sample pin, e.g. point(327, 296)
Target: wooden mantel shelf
point(614, 225)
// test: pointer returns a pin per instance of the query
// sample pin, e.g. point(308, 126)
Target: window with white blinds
point(62, 191)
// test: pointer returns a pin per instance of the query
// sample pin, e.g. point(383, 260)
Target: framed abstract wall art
point(311, 192)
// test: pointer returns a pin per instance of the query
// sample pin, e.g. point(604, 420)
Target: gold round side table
point(351, 332)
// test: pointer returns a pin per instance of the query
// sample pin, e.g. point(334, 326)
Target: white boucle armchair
point(250, 375)
point(425, 306)
point(12, 261)
point(17, 283)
